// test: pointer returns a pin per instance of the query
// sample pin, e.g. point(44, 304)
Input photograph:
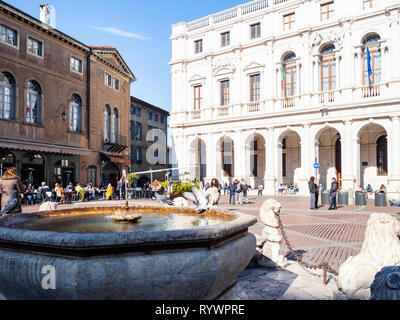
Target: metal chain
point(325, 267)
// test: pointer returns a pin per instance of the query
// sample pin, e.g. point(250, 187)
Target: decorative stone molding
point(223, 64)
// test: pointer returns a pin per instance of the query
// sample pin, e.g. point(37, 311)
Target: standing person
point(333, 194)
point(260, 190)
point(313, 192)
point(10, 182)
point(232, 192)
point(317, 194)
point(245, 193)
point(239, 192)
point(226, 188)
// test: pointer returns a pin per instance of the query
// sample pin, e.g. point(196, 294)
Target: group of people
point(59, 194)
point(288, 189)
point(370, 190)
point(238, 192)
point(314, 192)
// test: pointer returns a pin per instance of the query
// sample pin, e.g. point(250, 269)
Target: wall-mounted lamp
point(64, 116)
point(324, 110)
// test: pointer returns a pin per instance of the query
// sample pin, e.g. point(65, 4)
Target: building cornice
point(33, 22)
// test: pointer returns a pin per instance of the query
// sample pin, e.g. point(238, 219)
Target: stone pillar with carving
point(269, 244)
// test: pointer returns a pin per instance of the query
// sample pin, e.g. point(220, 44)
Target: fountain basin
point(174, 264)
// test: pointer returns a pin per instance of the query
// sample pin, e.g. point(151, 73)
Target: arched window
point(372, 76)
point(115, 127)
point(289, 74)
point(107, 124)
point(75, 113)
point(328, 69)
point(7, 91)
point(33, 103)
point(381, 156)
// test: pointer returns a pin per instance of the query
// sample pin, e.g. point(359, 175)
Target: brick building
point(63, 104)
point(148, 138)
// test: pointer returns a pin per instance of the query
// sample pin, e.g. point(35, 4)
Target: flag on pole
point(369, 67)
point(283, 79)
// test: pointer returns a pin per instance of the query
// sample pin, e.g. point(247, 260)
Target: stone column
point(394, 156)
point(306, 162)
point(270, 150)
point(239, 155)
point(348, 174)
point(211, 157)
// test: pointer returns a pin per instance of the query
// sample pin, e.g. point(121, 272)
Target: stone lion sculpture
point(269, 244)
point(386, 285)
point(214, 196)
point(381, 248)
point(48, 206)
point(181, 202)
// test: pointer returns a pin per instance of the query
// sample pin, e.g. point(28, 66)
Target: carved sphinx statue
point(381, 248)
point(268, 245)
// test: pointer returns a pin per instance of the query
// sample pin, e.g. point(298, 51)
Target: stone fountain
point(186, 256)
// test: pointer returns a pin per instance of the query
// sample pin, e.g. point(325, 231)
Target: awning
point(119, 160)
point(115, 159)
point(38, 147)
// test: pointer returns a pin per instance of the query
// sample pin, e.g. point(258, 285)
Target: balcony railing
point(226, 15)
point(307, 101)
point(253, 107)
point(288, 103)
point(255, 6)
point(223, 111)
point(196, 114)
point(327, 97)
point(369, 92)
point(111, 145)
point(198, 24)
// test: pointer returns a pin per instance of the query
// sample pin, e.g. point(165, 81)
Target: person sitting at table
point(60, 195)
point(44, 192)
point(70, 192)
point(383, 189)
point(369, 189)
point(80, 192)
point(30, 195)
point(91, 191)
point(158, 188)
point(109, 192)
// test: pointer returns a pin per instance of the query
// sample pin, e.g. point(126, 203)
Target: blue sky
point(140, 30)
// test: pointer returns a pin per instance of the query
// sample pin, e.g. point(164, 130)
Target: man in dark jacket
point(333, 194)
point(313, 192)
point(232, 193)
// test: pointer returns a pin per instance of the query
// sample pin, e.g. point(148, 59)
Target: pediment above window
point(197, 78)
point(254, 66)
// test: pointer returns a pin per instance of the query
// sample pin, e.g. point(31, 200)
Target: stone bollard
point(381, 248)
point(269, 244)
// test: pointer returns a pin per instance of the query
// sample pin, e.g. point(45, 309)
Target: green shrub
point(180, 187)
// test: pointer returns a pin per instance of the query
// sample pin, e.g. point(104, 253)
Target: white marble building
point(263, 91)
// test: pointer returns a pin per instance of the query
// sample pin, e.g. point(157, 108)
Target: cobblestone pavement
point(319, 236)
